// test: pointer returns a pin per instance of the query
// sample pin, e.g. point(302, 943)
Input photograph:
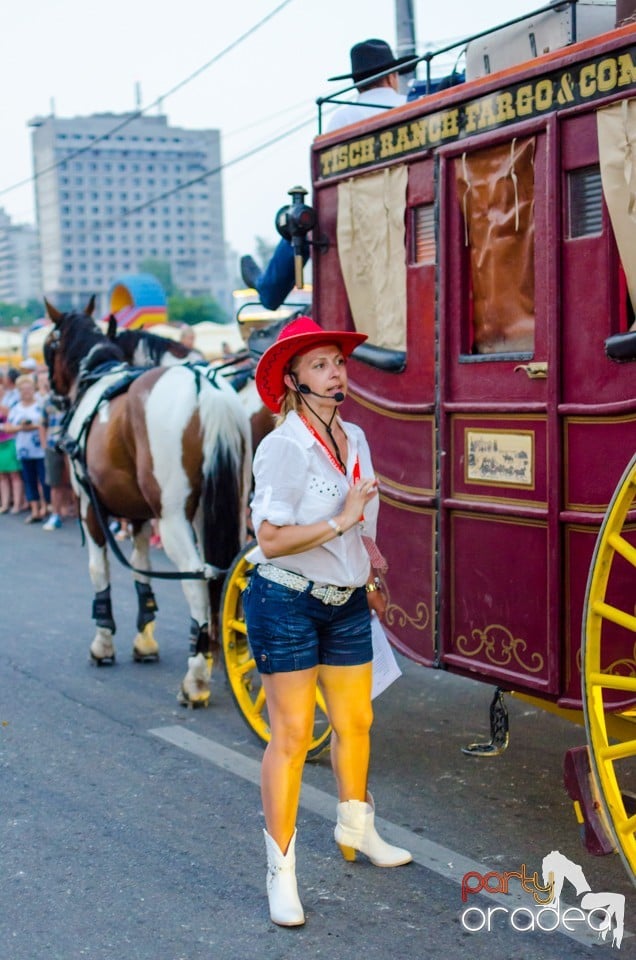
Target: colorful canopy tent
point(32, 340)
point(10, 347)
point(138, 300)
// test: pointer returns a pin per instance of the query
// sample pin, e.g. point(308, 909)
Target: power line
point(259, 121)
point(210, 173)
point(139, 113)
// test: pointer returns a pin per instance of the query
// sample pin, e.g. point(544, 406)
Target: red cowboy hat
point(298, 336)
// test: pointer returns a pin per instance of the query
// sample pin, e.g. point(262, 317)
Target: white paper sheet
point(385, 667)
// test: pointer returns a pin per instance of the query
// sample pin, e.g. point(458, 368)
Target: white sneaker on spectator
point(53, 523)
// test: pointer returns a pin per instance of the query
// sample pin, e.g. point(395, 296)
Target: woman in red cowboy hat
point(307, 605)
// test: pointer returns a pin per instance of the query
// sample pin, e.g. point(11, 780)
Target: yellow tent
point(10, 347)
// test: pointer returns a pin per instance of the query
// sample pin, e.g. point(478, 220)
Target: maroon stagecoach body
point(498, 425)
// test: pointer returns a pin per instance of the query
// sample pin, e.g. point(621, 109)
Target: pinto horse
point(167, 443)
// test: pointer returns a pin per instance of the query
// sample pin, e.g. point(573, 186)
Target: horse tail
point(226, 473)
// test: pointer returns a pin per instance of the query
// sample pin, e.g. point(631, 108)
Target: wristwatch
point(374, 585)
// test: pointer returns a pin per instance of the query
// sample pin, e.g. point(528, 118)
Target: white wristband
point(335, 526)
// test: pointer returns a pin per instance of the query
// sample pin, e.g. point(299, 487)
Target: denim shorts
point(291, 630)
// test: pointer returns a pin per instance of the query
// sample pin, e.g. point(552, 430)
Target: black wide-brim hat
point(370, 57)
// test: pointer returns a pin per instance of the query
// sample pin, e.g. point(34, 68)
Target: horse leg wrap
point(146, 604)
point(199, 638)
point(103, 610)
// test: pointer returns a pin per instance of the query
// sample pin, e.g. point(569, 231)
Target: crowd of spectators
point(34, 476)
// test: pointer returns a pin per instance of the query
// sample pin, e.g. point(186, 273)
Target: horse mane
point(85, 346)
point(154, 346)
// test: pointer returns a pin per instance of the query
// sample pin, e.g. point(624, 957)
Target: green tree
point(12, 315)
point(193, 310)
point(162, 271)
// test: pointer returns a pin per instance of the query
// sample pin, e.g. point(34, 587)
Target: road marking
point(441, 860)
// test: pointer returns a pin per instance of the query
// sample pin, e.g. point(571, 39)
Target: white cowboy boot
point(285, 907)
point(355, 830)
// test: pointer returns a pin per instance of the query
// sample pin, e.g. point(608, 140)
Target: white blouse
point(296, 483)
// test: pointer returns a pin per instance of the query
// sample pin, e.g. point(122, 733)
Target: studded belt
point(326, 592)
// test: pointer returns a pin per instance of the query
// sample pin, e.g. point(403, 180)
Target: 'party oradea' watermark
point(603, 913)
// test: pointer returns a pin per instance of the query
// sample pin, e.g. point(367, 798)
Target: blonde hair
point(25, 378)
point(291, 401)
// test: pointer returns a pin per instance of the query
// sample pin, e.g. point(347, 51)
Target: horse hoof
point(140, 657)
point(106, 661)
point(145, 647)
point(193, 701)
point(195, 686)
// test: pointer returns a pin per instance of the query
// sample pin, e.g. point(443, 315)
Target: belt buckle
point(335, 596)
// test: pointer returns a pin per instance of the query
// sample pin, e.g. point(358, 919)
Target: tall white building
point(107, 200)
point(20, 279)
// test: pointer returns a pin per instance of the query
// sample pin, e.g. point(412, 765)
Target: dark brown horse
point(168, 443)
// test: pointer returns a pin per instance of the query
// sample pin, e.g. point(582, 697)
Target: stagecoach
point(484, 237)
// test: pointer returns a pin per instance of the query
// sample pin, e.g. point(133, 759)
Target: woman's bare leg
point(291, 702)
point(347, 692)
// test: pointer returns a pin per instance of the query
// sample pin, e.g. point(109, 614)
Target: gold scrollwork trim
point(498, 645)
point(623, 667)
point(397, 616)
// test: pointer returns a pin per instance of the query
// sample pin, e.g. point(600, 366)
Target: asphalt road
point(131, 828)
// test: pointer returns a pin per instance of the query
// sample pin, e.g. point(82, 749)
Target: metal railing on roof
point(431, 54)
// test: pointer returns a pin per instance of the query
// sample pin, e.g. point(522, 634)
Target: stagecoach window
point(585, 202)
point(424, 250)
point(495, 197)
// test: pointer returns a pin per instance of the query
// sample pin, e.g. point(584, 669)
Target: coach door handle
point(537, 370)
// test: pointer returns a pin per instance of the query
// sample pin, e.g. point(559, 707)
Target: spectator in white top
point(25, 421)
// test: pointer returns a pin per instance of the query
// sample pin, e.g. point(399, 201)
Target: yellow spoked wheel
point(609, 667)
point(243, 677)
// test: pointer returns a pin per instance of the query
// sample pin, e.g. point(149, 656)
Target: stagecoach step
point(499, 730)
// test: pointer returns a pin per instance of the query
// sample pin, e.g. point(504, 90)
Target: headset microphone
point(306, 390)
point(338, 397)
